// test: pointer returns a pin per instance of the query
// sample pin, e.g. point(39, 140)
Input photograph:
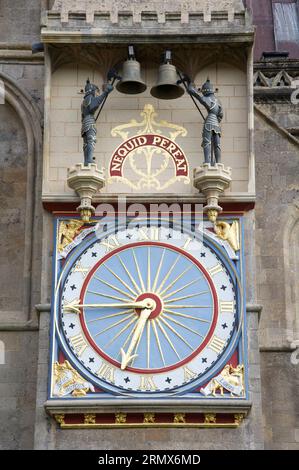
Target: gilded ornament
point(67, 381)
point(233, 376)
point(149, 418)
point(228, 232)
point(89, 419)
point(238, 418)
point(212, 215)
point(67, 232)
point(210, 418)
point(179, 418)
point(120, 418)
point(230, 379)
point(60, 419)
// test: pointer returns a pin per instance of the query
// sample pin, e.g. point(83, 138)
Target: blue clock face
point(148, 315)
point(183, 306)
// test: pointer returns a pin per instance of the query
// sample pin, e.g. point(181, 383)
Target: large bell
point(131, 83)
point(167, 88)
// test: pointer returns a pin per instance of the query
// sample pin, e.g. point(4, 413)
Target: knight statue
point(211, 129)
point(91, 102)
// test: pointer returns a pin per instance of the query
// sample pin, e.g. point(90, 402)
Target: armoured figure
point(92, 101)
point(211, 129)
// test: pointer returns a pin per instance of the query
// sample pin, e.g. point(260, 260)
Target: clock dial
point(145, 315)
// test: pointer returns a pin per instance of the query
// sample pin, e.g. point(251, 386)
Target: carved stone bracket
point(86, 181)
point(211, 181)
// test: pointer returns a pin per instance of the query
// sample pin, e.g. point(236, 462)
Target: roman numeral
point(80, 269)
point(188, 374)
point(215, 270)
point(68, 308)
point(226, 306)
point(147, 383)
point(79, 344)
point(151, 233)
point(106, 372)
point(216, 344)
point(111, 243)
point(187, 243)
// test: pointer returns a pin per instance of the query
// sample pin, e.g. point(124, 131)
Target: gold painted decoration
point(60, 419)
point(179, 418)
point(210, 418)
point(120, 418)
point(228, 232)
point(148, 154)
point(149, 418)
point(239, 417)
point(67, 381)
point(89, 419)
point(67, 231)
point(230, 379)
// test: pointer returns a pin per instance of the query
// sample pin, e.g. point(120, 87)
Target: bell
point(131, 83)
point(167, 87)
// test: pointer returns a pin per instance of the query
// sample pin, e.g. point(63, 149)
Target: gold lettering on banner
point(160, 152)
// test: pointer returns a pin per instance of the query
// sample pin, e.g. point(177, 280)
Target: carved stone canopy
point(189, 58)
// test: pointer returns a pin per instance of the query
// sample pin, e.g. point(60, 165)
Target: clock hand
point(75, 308)
point(126, 357)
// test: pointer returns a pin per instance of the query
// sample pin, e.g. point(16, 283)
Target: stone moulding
point(56, 406)
point(148, 420)
point(86, 181)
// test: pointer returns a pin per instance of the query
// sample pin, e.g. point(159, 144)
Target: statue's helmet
point(207, 88)
point(90, 88)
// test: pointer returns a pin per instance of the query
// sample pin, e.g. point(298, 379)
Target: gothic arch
point(31, 119)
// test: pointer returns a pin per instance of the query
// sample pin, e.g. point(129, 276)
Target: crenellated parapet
point(88, 18)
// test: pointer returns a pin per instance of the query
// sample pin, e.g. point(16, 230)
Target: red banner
point(149, 140)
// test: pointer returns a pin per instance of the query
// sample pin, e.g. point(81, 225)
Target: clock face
point(147, 311)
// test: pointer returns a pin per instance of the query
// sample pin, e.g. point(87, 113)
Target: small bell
point(167, 87)
point(131, 82)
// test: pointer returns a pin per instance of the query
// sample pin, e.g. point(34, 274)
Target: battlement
point(136, 8)
point(140, 21)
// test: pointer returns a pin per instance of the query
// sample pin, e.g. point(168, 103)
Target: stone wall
point(18, 390)
point(20, 186)
point(277, 222)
